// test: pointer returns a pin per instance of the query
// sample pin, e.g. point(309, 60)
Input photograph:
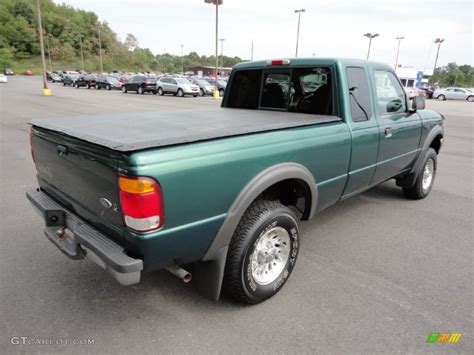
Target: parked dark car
point(140, 84)
point(205, 88)
point(53, 77)
point(429, 90)
point(8, 71)
point(70, 79)
point(87, 81)
point(108, 83)
point(221, 85)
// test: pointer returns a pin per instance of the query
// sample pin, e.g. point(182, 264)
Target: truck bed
point(136, 131)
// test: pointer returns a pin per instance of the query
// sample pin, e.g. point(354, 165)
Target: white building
point(408, 75)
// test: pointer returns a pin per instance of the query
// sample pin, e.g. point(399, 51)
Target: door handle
point(388, 132)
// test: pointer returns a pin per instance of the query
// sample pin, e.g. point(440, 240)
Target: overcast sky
point(329, 28)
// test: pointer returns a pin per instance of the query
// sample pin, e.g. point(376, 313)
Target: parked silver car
point(176, 86)
point(454, 94)
point(204, 87)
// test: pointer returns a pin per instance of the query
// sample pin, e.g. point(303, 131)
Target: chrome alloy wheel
point(270, 255)
point(428, 173)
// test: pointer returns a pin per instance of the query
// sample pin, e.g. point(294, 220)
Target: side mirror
point(417, 103)
point(394, 105)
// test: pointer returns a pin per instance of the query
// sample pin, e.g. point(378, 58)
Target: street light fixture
point(399, 39)
point(222, 53)
point(216, 3)
point(298, 29)
point(437, 41)
point(370, 36)
point(46, 91)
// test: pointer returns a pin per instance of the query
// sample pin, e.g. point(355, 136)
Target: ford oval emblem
point(105, 203)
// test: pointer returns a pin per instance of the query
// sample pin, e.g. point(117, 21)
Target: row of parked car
point(142, 83)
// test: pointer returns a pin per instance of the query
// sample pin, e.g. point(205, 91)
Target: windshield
point(183, 81)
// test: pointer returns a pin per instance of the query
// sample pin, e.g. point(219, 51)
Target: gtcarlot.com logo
point(22, 340)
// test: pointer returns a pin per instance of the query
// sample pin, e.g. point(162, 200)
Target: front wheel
point(262, 252)
point(124, 89)
point(160, 92)
point(140, 90)
point(221, 92)
point(201, 92)
point(441, 97)
point(108, 87)
point(180, 93)
point(470, 99)
point(425, 179)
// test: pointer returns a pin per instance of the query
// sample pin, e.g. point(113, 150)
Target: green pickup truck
point(216, 196)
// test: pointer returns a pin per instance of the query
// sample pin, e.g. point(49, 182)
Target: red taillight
point(31, 146)
point(278, 62)
point(141, 203)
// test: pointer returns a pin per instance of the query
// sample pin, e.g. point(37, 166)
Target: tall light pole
point(82, 53)
point(100, 53)
point(182, 59)
point(222, 52)
point(370, 36)
point(46, 91)
point(399, 39)
point(49, 53)
point(298, 30)
point(216, 3)
point(251, 52)
point(437, 41)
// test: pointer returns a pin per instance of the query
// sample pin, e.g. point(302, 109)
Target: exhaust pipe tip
point(180, 273)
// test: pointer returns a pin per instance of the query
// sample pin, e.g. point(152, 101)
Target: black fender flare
point(209, 273)
point(252, 190)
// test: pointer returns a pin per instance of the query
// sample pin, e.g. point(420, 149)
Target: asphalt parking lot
point(376, 273)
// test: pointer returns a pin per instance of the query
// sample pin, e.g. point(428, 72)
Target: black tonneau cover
point(136, 131)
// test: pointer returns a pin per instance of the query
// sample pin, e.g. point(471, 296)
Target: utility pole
point(298, 30)
point(370, 36)
point(182, 59)
point(216, 3)
point(437, 41)
point(222, 52)
point(251, 52)
point(399, 39)
point(82, 53)
point(100, 52)
point(49, 53)
point(46, 91)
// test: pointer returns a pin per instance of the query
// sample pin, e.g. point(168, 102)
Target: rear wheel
point(77, 86)
point(124, 89)
point(201, 92)
point(108, 87)
point(441, 97)
point(160, 92)
point(64, 84)
point(470, 99)
point(426, 176)
point(221, 92)
point(262, 252)
point(180, 93)
point(140, 90)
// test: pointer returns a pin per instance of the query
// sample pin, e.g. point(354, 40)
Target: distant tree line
point(66, 27)
point(453, 75)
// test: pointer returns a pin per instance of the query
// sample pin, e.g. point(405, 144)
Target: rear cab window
point(359, 95)
point(300, 89)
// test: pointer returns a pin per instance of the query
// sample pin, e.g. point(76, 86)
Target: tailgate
point(81, 176)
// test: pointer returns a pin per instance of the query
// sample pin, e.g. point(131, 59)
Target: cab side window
point(359, 94)
point(390, 95)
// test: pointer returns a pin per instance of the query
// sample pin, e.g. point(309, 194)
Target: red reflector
point(278, 62)
point(142, 212)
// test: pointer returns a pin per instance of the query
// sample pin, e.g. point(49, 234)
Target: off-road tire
point(417, 192)
point(260, 217)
